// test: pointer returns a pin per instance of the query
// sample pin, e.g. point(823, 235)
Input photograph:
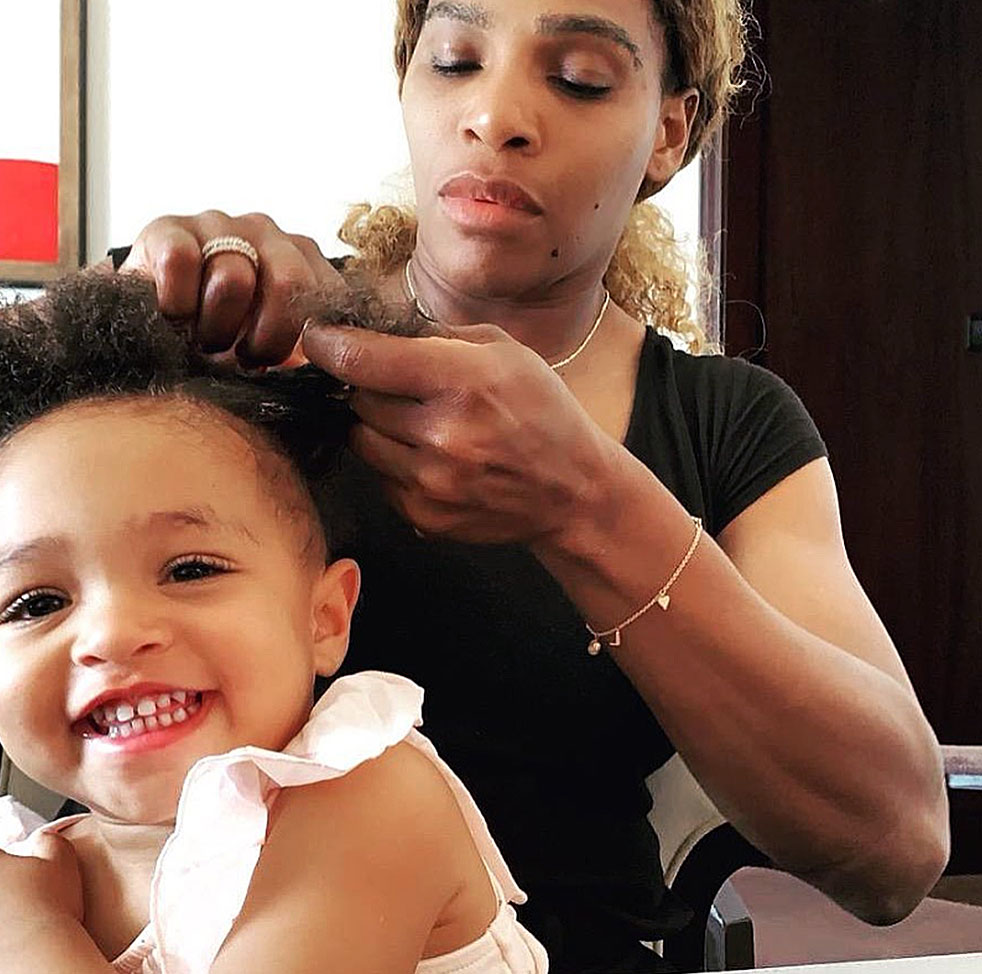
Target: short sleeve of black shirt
point(746, 429)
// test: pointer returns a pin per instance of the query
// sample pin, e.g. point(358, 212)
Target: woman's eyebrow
point(589, 24)
point(548, 24)
point(469, 13)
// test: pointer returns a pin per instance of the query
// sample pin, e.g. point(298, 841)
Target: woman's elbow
point(896, 875)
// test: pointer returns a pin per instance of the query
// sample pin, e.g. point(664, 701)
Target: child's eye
point(35, 604)
point(194, 568)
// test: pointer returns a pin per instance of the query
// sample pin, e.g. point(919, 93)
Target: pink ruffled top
point(204, 870)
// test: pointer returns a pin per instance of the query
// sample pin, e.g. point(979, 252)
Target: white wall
point(246, 105)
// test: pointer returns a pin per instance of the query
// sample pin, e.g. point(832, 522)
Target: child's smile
point(142, 716)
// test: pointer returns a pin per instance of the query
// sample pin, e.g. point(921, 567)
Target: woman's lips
point(487, 204)
point(503, 192)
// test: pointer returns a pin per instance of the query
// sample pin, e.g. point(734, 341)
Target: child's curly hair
point(99, 337)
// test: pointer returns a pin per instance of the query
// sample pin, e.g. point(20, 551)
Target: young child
point(167, 597)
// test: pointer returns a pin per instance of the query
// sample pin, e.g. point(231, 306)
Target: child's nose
point(115, 627)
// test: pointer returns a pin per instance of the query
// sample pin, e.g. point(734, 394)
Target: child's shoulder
point(399, 793)
point(381, 857)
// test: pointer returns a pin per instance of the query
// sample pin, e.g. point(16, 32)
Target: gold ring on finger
point(230, 245)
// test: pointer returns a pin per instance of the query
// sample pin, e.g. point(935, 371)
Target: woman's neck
point(552, 322)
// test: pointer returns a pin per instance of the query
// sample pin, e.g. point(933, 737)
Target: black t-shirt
point(554, 744)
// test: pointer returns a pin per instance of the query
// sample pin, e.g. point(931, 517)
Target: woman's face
point(531, 125)
point(147, 575)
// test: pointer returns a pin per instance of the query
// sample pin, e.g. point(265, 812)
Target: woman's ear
point(675, 117)
point(333, 600)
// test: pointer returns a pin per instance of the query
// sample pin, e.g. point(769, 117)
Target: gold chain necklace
point(555, 366)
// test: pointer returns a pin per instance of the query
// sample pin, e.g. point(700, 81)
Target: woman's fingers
point(228, 286)
point(394, 460)
point(401, 419)
point(231, 302)
point(398, 366)
point(422, 491)
point(168, 250)
point(285, 273)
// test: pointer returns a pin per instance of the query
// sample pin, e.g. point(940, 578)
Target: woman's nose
point(115, 628)
point(502, 116)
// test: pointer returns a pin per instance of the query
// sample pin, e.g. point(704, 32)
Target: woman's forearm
point(820, 758)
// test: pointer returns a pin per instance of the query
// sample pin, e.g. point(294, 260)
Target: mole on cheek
point(596, 206)
point(555, 252)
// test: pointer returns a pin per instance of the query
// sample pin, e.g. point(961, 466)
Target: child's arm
point(42, 946)
point(356, 873)
point(41, 906)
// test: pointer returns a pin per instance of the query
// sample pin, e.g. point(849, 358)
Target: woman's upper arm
point(351, 877)
point(788, 545)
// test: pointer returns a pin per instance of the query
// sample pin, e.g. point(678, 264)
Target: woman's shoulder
point(707, 374)
point(744, 427)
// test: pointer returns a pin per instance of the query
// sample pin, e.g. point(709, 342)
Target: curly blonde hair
point(648, 275)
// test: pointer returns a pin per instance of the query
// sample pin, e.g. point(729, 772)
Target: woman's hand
point(231, 304)
point(476, 437)
point(40, 884)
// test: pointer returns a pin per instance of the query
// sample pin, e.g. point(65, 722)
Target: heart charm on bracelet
point(612, 637)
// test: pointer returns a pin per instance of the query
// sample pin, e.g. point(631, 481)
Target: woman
point(545, 472)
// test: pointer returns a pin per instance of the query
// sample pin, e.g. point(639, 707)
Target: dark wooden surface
point(854, 223)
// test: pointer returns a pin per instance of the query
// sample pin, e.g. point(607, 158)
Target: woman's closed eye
point(35, 604)
point(565, 82)
point(196, 568)
point(579, 89)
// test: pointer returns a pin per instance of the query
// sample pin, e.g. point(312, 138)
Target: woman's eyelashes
point(35, 604)
point(561, 81)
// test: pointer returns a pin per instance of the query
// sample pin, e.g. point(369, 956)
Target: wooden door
point(854, 225)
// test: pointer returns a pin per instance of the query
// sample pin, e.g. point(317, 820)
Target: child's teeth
point(147, 714)
point(146, 706)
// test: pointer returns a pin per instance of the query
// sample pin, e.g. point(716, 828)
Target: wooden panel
point(867, 237)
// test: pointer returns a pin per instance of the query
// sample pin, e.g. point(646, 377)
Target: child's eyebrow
point(14, 555)
point(203, 517)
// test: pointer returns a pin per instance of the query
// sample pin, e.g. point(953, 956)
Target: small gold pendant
point(594, 648)
point(663, 601)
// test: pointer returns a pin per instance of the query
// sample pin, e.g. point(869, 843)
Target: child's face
point(142, 558)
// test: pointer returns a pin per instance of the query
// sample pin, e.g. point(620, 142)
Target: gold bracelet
point(612, 637)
